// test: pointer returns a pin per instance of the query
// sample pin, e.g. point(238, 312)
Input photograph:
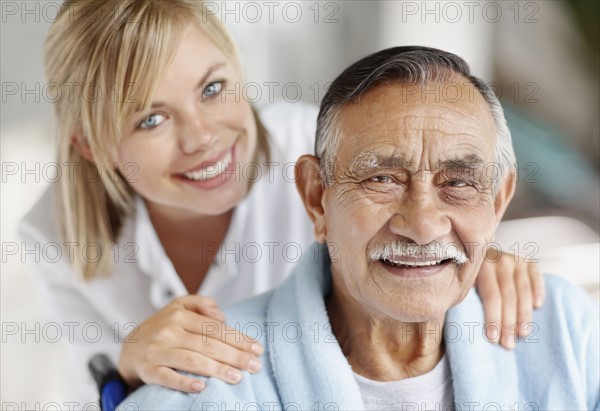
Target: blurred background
point(541, 56)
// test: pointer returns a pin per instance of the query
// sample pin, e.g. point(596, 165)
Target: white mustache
point(398, 250)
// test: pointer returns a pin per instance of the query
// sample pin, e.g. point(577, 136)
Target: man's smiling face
point(410, 169)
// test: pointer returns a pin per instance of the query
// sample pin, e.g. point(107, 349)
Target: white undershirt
point(430, 391)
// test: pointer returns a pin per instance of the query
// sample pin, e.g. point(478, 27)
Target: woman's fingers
point(189, 335)
point(202, 305)
point(508, 291)
point(525, 297)
point(537, 285)
point(195, 362)
point(167, 377)
point(489, 292)
point(219, 351)
point(201, 325)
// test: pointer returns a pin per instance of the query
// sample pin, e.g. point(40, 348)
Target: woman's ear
point(310, 186)
point(80, 144)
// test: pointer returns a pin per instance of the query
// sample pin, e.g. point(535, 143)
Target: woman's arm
point(95, 317)
point(83, 331)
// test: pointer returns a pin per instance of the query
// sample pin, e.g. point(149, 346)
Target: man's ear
point(81, 145)
point(505, 195)
point(310, 187)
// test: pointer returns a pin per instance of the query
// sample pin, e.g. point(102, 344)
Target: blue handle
point(112, 394)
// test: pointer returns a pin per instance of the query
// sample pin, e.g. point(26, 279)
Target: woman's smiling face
point(189, 149)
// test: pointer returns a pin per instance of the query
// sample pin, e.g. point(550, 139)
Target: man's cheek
point(347, 200)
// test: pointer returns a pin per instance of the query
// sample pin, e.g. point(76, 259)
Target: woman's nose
point(198, 133)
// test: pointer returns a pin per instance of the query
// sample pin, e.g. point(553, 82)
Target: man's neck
point(381, 348)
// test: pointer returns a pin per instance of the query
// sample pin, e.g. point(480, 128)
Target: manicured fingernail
point(197, 386)
point(257, 349)
point(254, 365)
point(538, 301)
point(234, 376)
point(509, 342)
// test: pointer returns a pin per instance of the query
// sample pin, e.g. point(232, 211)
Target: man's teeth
point(413, 263)
point(211, 171)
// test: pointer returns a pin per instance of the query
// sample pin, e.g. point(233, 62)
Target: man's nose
point(199, 131)
point(420, 215)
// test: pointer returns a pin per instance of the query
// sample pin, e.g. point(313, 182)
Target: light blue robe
point(556, 367)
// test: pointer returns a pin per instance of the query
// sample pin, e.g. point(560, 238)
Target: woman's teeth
point(211, 171)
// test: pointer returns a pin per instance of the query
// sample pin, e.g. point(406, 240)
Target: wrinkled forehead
point(436, 116)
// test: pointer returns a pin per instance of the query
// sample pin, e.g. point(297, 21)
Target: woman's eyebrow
point(210, 70)
point(201, 83)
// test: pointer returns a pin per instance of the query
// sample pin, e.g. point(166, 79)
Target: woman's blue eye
point(212, 89)
point(151, 121)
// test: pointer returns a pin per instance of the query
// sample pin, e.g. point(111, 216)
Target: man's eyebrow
point(469, 161)
point(371, 160)
point(367, 161)
point(211, 69)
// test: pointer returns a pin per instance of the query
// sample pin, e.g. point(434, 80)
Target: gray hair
point(411, 65)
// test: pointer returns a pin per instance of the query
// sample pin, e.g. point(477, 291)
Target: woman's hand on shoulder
point(510, 290)
point(188, 334)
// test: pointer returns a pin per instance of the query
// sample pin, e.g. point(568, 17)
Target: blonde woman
point(179, 197)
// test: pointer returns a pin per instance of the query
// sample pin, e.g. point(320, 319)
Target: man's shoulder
point(217, 395)
point(563, 342)
point(568, 322)
point(568, 303)
point(548, 369)
point(250, 315)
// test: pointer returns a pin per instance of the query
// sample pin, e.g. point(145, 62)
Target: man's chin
point(422, 308)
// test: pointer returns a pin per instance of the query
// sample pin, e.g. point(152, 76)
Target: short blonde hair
point(97, 56)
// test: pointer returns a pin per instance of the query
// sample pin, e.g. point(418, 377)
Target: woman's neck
point(190, 241)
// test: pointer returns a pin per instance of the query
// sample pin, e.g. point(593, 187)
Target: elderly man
point(412, 176)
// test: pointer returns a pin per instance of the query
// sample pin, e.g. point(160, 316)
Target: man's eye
point(151, 121)
point(458, 183)
point(212, 89)
point(382, 179)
